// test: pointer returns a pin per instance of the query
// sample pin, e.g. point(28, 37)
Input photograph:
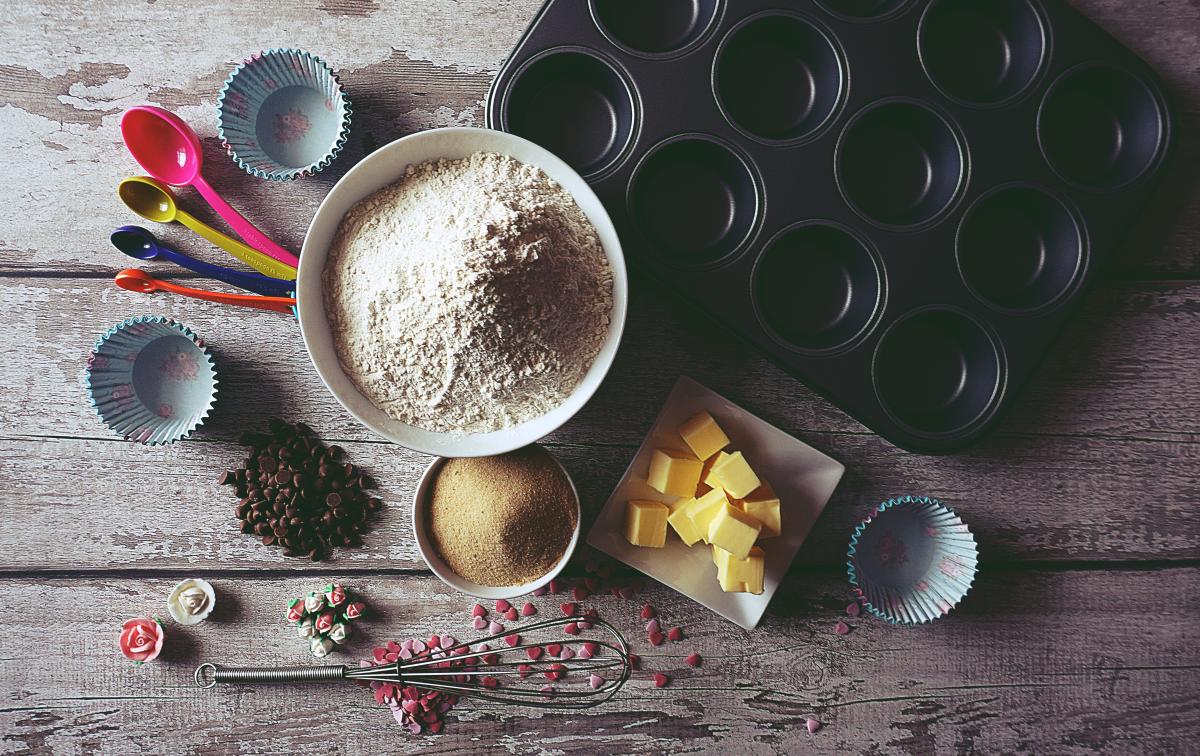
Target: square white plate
point(803, 477)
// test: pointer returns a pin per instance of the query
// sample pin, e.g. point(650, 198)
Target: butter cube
point(673, 472)
point(763, 505)
point(735, 476)
point(740, 575)
point(702, 509)
point(682, 524)
point(733, 530)
point(646, 523)
point(703, 436)
point(706, 476)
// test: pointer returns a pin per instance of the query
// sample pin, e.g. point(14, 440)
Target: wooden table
point(1080, 633)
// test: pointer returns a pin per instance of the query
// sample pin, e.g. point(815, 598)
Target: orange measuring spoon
point(132, 279)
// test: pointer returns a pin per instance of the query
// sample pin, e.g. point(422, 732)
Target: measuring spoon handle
point(252, 257)
point(243, 227)
point(270, 287)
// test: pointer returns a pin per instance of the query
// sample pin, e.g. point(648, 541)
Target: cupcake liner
point(283, 114)
point(911, 560)
point(151, 380)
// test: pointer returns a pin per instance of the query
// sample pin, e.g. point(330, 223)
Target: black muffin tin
point(896, 201)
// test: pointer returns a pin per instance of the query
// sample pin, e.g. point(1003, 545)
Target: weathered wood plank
point(67, 76)
point(1125, 366)
point(119, 505)
point(1002, 674)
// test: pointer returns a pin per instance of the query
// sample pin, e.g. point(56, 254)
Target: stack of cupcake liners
point(151, 380)
point(283, 114)
point(912, 560)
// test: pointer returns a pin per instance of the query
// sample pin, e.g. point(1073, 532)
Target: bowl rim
point(457, 582)
point(362, 180)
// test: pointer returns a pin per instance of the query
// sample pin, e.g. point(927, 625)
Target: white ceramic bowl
point(452, 578)
point(385, 166)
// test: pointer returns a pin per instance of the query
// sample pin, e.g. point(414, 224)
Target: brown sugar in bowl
point(526, 494)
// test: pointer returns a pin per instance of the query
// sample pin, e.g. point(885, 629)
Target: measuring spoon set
point(169, 150)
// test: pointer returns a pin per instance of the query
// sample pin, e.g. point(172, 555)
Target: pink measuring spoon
point(170, 151)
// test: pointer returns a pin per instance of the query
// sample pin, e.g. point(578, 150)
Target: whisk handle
point(207, 675)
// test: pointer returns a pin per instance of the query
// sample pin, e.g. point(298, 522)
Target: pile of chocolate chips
point(297, 493)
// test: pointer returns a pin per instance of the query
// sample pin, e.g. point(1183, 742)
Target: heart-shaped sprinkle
point(854, 609)
point(571, 628)
point(693, 660)
point(480, 623)
point(512, 640)
point(495, 628)
point(584, 625)
point(584, 653)
point(556, 672)
point(656, 639)
point(489, 682)
point(502, 605)
point(523, 670)
point(595, 681)
point(812, 725)
point(478, 611)
point(511, 614)
point(568, 609)
point(539, 592)
point(648, 612)
point(675, 634)
point(491, 659)
point(661, 680)
point(449, 641)
point(534, 653)
point(528, 610)
point(554, 649)
point(418, 647)
point(652, 626)
point(591, 647)
point(435, 641)
point(841, 628)
point(567, 653)
point(555, 586)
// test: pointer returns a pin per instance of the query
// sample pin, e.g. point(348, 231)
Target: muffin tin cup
point(1101, 127)
point(807, 86)
point(1020, 249)
point(577, 104)
point(983, 54)
point(151, 380)
point(283, 114)
point(901, 164)
point(864, 11)
point(938, 371)
point(912, 560)
point(696, 199)
point(818, 288)
point(657, 30)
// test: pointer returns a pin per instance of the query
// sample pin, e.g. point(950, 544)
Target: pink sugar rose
point(141, 639)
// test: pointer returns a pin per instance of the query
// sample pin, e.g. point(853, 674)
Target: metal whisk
point(429, 672)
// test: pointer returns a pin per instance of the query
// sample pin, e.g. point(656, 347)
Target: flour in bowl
point(469, 296)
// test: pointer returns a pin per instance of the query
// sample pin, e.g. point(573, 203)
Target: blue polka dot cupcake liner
point(912, 560)
point(151, 380)
point(283, 114)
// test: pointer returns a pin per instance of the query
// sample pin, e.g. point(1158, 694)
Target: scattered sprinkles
point(694, 660)
point(661, 680)
point(812, 725)
point(841, 628)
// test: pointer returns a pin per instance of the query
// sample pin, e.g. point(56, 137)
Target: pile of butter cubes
point(720, 501)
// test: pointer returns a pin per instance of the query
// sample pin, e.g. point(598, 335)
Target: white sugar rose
point(191, 601)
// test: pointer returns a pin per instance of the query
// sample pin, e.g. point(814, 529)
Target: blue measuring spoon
point(139, 243)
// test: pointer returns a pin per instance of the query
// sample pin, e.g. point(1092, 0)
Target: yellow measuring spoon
point(153, 200)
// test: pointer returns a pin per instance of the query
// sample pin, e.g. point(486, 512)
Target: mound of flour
point(469, 296)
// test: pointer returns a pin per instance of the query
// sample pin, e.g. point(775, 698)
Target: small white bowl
point(452, 578)
point(385, 166)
